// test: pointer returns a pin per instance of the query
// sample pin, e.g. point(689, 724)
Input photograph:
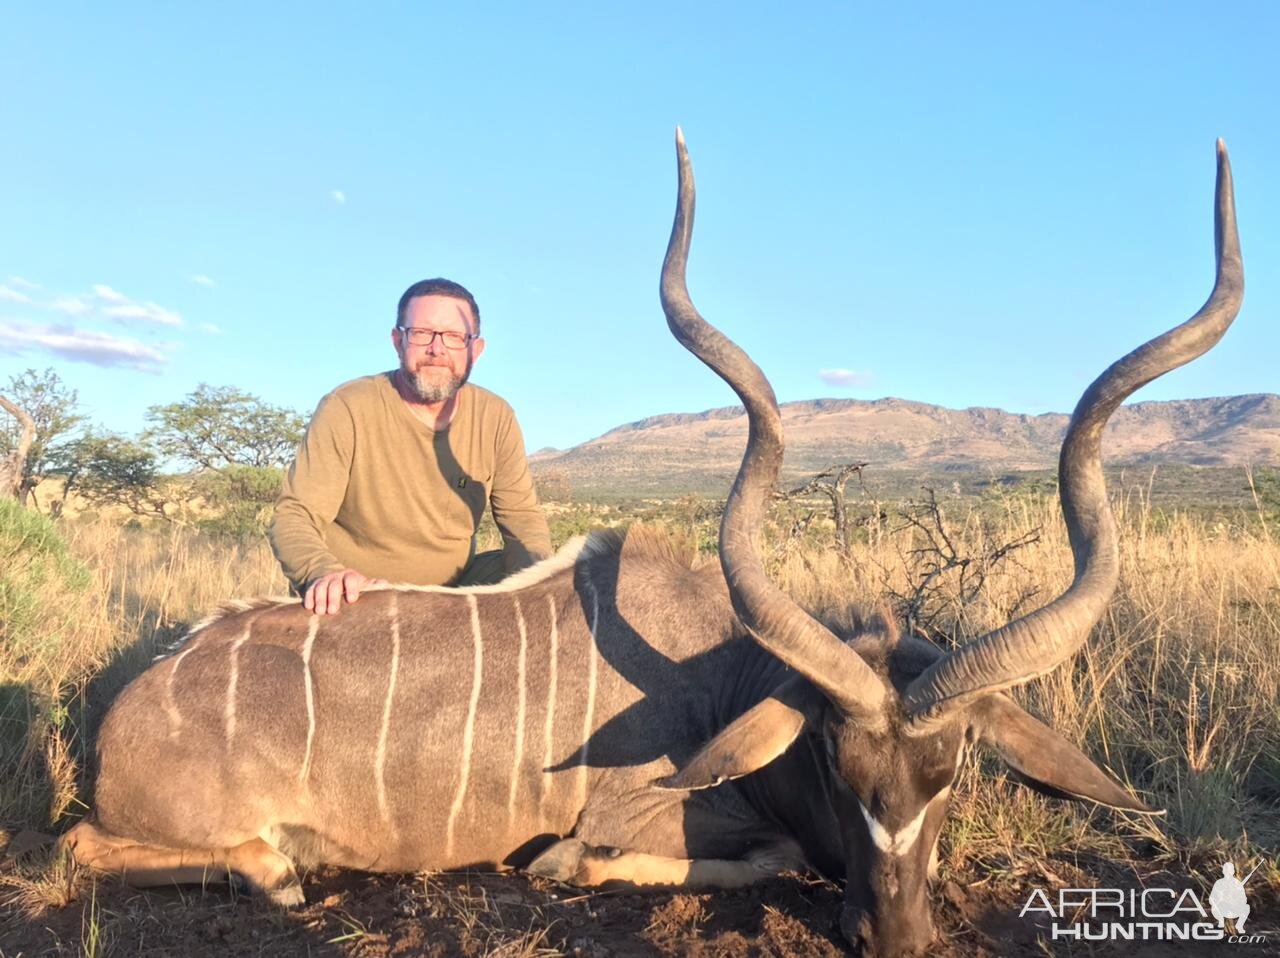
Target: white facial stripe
point(900, 843)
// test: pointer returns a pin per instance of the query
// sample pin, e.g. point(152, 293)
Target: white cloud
point(102, 301)
point(213, 329)
point(848, 378)
point(86, 346)
point(107, 293)
point(200, 279)
point(71, 305)
point(148, 312)
point(20, 283)
point(338, 196)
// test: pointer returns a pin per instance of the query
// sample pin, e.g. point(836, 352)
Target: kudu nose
point(884, 940)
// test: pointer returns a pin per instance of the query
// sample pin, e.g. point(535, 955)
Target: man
point(395, 470)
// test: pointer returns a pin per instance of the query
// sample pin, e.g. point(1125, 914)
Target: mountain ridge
point(676, 452)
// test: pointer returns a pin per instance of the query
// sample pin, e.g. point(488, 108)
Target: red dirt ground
point(369, 916)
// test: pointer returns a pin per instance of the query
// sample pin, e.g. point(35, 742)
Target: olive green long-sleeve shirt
point(376, 490)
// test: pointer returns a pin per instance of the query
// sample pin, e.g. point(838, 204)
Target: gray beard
point(432, 389)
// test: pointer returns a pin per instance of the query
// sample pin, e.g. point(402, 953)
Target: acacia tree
point(220, 426)
point(52, 409)
point(237, 445)
point(106, 468)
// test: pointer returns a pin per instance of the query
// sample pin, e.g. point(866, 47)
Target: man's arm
point(312, 494)
point(525, 536)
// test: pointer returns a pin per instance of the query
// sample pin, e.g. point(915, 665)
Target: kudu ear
point(752, 740)
point(1044, 760)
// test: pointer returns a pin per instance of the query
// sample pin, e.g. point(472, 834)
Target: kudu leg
point(576, 863)
point(265, 869)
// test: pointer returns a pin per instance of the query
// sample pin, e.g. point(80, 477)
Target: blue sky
point(979, 204)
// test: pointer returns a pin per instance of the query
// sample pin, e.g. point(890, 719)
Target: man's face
point(435, 371)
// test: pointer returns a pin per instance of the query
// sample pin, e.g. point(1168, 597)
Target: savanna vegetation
point(1177, 692)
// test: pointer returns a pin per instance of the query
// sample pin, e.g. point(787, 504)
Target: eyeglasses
point(419, 336)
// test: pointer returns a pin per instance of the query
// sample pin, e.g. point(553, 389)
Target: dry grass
point(1176, 691)
point(502, 929)
point(142, 589)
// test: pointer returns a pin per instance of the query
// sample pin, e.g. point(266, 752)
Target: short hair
point(438, 287)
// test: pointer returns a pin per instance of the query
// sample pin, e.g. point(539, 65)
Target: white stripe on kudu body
point(313, 626)
point(229, 710)
point(587, 719)
point(170, 702)
point(380, 759)
point(468, 731)
point(521, 696)
point(547, 742)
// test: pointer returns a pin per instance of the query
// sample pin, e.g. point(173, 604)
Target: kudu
point(680, 726)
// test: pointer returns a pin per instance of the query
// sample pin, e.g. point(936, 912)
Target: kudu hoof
point(562, 861)
point(286, 896)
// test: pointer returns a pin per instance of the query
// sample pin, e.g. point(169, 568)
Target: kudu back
point(614, 714)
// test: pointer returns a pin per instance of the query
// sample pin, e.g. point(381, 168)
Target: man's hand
point(324, 595)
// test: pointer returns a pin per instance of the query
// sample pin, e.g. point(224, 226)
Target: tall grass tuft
point(46, 613)
point(1176, 692)
point(83, 609)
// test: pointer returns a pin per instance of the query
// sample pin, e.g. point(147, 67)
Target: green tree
point(220, 426)
point(241, 497)
point(54, 410)
point(105, 468)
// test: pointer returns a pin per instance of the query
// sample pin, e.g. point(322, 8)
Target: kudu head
point(895, 715)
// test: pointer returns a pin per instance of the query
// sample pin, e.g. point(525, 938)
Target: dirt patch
point(373, 916)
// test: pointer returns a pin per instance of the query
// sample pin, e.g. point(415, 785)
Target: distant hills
point(679, 453)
